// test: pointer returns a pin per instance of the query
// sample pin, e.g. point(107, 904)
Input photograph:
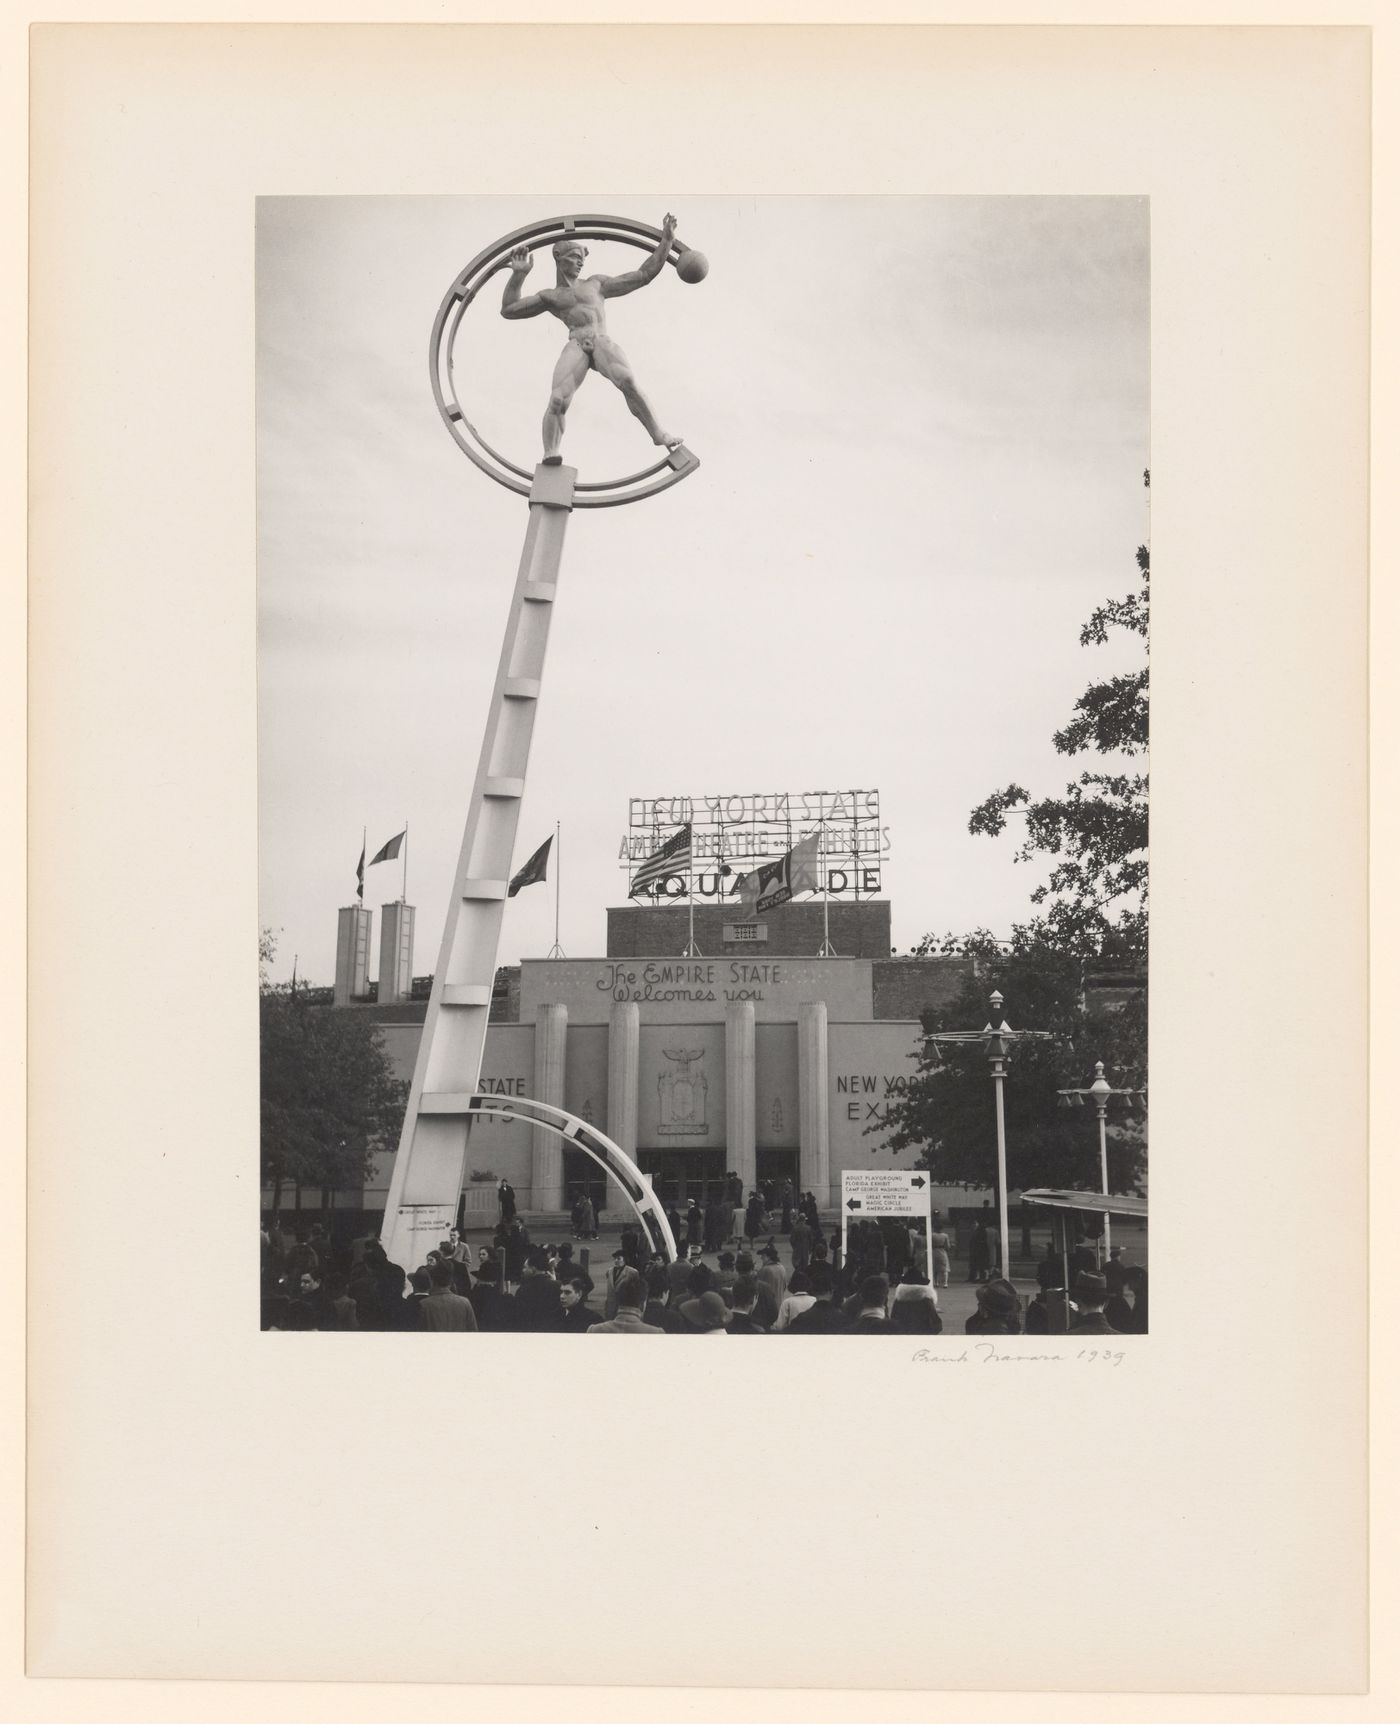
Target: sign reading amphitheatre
point(696, 990)
point(733, 834)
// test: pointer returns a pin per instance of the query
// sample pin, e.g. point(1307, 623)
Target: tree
point(329, 1097)
point(1096, 895)
point(948, 1111)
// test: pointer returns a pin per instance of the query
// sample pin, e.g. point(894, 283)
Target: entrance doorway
point(677, 1175)
point(582, 1173)
point(774, 1166)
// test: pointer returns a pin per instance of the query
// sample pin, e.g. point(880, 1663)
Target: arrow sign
point(918, 1184)
point(854, 1203)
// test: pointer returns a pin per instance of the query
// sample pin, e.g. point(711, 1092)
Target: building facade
point(757, 1059)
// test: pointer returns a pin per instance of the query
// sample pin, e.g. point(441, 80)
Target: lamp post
point(994, 1037)
point(996, 1057)
point(1100, 1090)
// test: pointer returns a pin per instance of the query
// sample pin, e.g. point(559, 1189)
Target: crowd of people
point(515, 1285)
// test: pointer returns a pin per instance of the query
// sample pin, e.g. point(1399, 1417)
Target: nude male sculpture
point(579, 305)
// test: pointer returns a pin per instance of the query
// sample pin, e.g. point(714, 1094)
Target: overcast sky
point(922, 424)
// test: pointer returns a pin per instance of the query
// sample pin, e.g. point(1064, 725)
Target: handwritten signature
point(986, 1353)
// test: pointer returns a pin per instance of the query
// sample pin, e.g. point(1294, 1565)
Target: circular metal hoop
point(599, 1148)
point(674, 465)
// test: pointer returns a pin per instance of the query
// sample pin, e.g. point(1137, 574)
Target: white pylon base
point(431, 1160)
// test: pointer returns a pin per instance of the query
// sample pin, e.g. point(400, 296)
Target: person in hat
point(823, 1316)
point(998, 1310)
point(505, 1196)
point(686, 1306)
point(537, 1297)
point(873, 1316)
point(940, 1247)
point(705, 1315)
point(1114, 1271)
point(517, 1243)
point(1051, 1311)
point(678, 1275)
point(656, 1311)
point(1127, 1316)
point(443, 1310)
point(494, 1307)
point(979, 1253)
point(753, 1217)
point(914, 1308)
point(614, 1276)
point(1091, 1295)
point(628, 1321)
point(773, 1275)
point(800, 1239)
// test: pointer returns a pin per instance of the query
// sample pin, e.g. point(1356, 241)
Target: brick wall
point(905, 986)
point(858, 930)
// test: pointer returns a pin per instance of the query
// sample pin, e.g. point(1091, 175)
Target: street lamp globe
point(1100, 1089)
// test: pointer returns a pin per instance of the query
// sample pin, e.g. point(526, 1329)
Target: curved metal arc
point(600, 493)
point(599, 1147)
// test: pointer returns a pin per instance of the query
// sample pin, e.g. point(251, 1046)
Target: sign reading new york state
point(697, 990)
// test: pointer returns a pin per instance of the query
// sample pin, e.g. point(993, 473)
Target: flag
point(390, 850)
point(533, 870)
point(775, 882)
point(360, 876)
point(672, 858)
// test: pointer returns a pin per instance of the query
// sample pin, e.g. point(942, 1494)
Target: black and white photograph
point(517, 853)
point(777, 963)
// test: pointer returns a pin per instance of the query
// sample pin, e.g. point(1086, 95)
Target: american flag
point(672, 858)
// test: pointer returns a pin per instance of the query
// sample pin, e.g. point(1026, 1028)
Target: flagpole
point(405, 862)
point(556, 950)
point(364, 851)
point(826, 890)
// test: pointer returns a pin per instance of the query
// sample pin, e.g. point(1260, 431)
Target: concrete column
point(547, 1150)
point(624, 1053)
point(352, 954)
point(395, 953)
point(813, 1121)
point(740, 1119)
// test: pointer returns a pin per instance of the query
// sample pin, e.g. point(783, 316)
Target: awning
point(1091, 1202)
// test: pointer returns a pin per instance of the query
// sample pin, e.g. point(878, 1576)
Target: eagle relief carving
point(682, 1090)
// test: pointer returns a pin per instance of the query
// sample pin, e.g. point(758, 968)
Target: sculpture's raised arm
point(614, 286)
point(512, 305)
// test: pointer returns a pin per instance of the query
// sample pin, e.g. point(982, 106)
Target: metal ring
point(675, 465)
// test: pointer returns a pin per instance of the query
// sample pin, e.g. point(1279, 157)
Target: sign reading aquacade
point(735, 832)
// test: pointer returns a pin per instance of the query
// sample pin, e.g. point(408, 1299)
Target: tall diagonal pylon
point(428, 1169)
point(430, 1165)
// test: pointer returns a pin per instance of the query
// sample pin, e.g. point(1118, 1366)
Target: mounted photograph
point(754, 814)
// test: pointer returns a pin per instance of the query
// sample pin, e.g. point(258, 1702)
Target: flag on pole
point(775, 882)
point(360, 876)
point(534, 869)
point(390, 850)
point(672, 858)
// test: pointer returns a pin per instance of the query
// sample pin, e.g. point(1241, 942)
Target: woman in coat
point(694, 1223)
point(940, 1247)
point(753, 1217)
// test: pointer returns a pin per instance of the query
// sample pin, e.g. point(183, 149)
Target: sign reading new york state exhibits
point(697, 990)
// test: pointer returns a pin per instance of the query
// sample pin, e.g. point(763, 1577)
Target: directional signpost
point(869, 1192)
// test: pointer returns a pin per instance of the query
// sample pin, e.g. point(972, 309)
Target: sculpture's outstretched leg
point(611, 362)
point(569, 371)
